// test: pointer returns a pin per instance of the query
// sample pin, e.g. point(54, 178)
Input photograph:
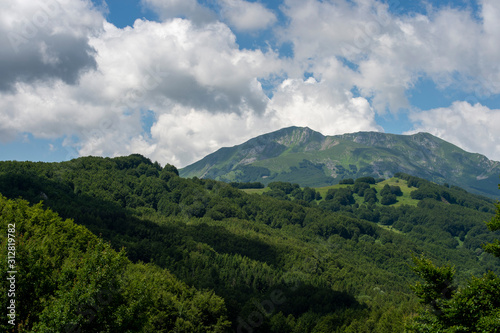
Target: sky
point(175, 80)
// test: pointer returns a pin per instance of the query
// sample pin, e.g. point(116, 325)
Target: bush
point(388, 199)
point(283, 186)
point(246, 185)
point(369, 180)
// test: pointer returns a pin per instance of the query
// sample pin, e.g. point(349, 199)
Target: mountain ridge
point(309, 158)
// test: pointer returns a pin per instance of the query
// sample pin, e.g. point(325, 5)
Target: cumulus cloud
point(319, 106)
point(66, 72)
point(388, 54)
point(47, 39)
point(51, 111)
point(471, 127)
point(185, 135)
point(247, 16)
point(159, 66)
point(363, 34)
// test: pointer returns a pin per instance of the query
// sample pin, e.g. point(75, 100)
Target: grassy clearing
point(403, 184)
point(390, 228)
point(255, 190)
point(405, 199)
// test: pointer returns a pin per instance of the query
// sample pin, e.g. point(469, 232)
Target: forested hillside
point(69, 280)
point(293, 260)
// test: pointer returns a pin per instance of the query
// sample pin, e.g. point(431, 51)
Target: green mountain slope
point(306, 157)
point(292, 263)
point(65, 279)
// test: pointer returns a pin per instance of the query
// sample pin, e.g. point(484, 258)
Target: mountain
point(303, 156)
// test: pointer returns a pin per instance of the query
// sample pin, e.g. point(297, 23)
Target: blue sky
point(175, 80)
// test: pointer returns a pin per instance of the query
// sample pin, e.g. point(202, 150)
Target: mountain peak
point(291, 136)
point(304, 156)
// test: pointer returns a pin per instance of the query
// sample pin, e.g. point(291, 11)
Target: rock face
point(303, 156)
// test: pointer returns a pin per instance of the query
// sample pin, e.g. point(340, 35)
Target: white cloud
point(185, 135)
point(159, 66)
point(388, 53)
point(45, 40)
point(364, 34)
point(321, 107)
point(76, 76)
point(247, 16)
point(55, 110)
point(471, 127)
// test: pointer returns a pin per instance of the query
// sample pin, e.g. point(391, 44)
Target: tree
point(73, 281)
point(396, 190)
point(344, 196)
point(370, 196)
point(309, 194)
point(369, 180)
point(283, 186)
point(360, 188)
point(388, 199)
point(494, 225)
point(472, 308)
point(386, 190)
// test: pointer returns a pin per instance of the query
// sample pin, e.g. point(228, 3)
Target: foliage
point(368, 180)
point(349, 181)
point(472, 308)
point(283, 186)
point(69, 280)
point(494, 225)
point(388, 199)
point(396, 190)
point(247, 185)
point(328, 264)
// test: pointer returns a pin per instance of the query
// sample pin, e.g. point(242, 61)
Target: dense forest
point(124, 244)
